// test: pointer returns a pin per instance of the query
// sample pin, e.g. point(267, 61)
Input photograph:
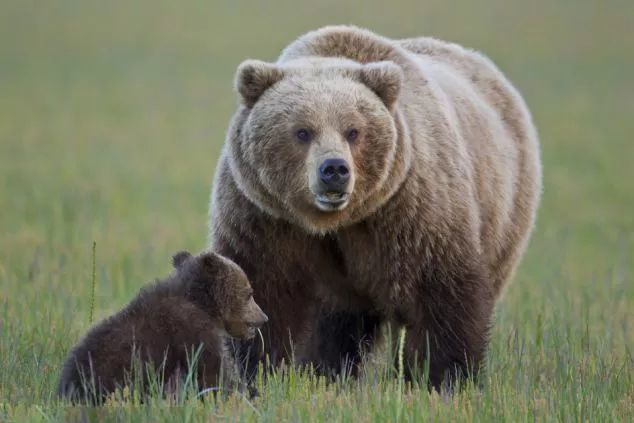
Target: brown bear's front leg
point(339, 340)
point(272, 256)
point(448, 331)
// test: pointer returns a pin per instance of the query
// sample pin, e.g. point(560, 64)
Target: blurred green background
point(112, 114)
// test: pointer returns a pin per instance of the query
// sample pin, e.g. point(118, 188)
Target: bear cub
point(205, 299)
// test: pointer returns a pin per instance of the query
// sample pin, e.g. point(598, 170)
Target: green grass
point(112, 115)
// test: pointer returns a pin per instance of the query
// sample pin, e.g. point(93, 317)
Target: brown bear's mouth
point(331, 200)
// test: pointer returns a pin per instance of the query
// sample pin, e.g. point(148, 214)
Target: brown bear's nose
point(334, 174)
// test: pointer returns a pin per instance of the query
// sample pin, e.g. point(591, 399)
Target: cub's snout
point(255, 316)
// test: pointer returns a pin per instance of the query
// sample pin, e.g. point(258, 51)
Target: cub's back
point(151, 325)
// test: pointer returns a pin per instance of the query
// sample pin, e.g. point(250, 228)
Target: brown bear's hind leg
point(448, 334)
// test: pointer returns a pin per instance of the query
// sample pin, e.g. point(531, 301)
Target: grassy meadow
point(112, 115)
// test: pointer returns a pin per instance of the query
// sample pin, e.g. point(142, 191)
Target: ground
point(111, 119)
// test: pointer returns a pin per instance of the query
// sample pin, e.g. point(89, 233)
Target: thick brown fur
point(205, 298)
point(446, 180)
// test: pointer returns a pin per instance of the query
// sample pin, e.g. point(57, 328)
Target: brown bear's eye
point(352, 134)
point(304, 134)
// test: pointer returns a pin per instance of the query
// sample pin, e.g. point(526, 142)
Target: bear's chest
point(359, 253)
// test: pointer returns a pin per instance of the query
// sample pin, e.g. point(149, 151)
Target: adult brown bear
point(366, 180)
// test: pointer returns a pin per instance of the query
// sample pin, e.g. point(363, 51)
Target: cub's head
point(315, 141)
point(219, 286)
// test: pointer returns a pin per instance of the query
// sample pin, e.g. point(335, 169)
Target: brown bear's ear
point(385, 79)
point(254, 77)
point(179, 258)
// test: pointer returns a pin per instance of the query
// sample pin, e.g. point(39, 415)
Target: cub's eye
point(352, 134)
point(304, 134)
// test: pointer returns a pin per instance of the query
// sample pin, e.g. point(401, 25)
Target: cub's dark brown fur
point(205, 298)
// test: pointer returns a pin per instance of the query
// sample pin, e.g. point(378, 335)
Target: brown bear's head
point(220, 286)
point(316, 138)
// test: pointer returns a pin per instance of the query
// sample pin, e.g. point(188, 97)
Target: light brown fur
point(446, 185)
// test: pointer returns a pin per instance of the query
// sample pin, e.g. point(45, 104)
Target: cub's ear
point(385, 79)
point(213, 261)
point(179, 258)
point(254, 77)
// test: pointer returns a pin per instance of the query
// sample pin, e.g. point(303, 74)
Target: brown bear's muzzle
point(333, 176)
